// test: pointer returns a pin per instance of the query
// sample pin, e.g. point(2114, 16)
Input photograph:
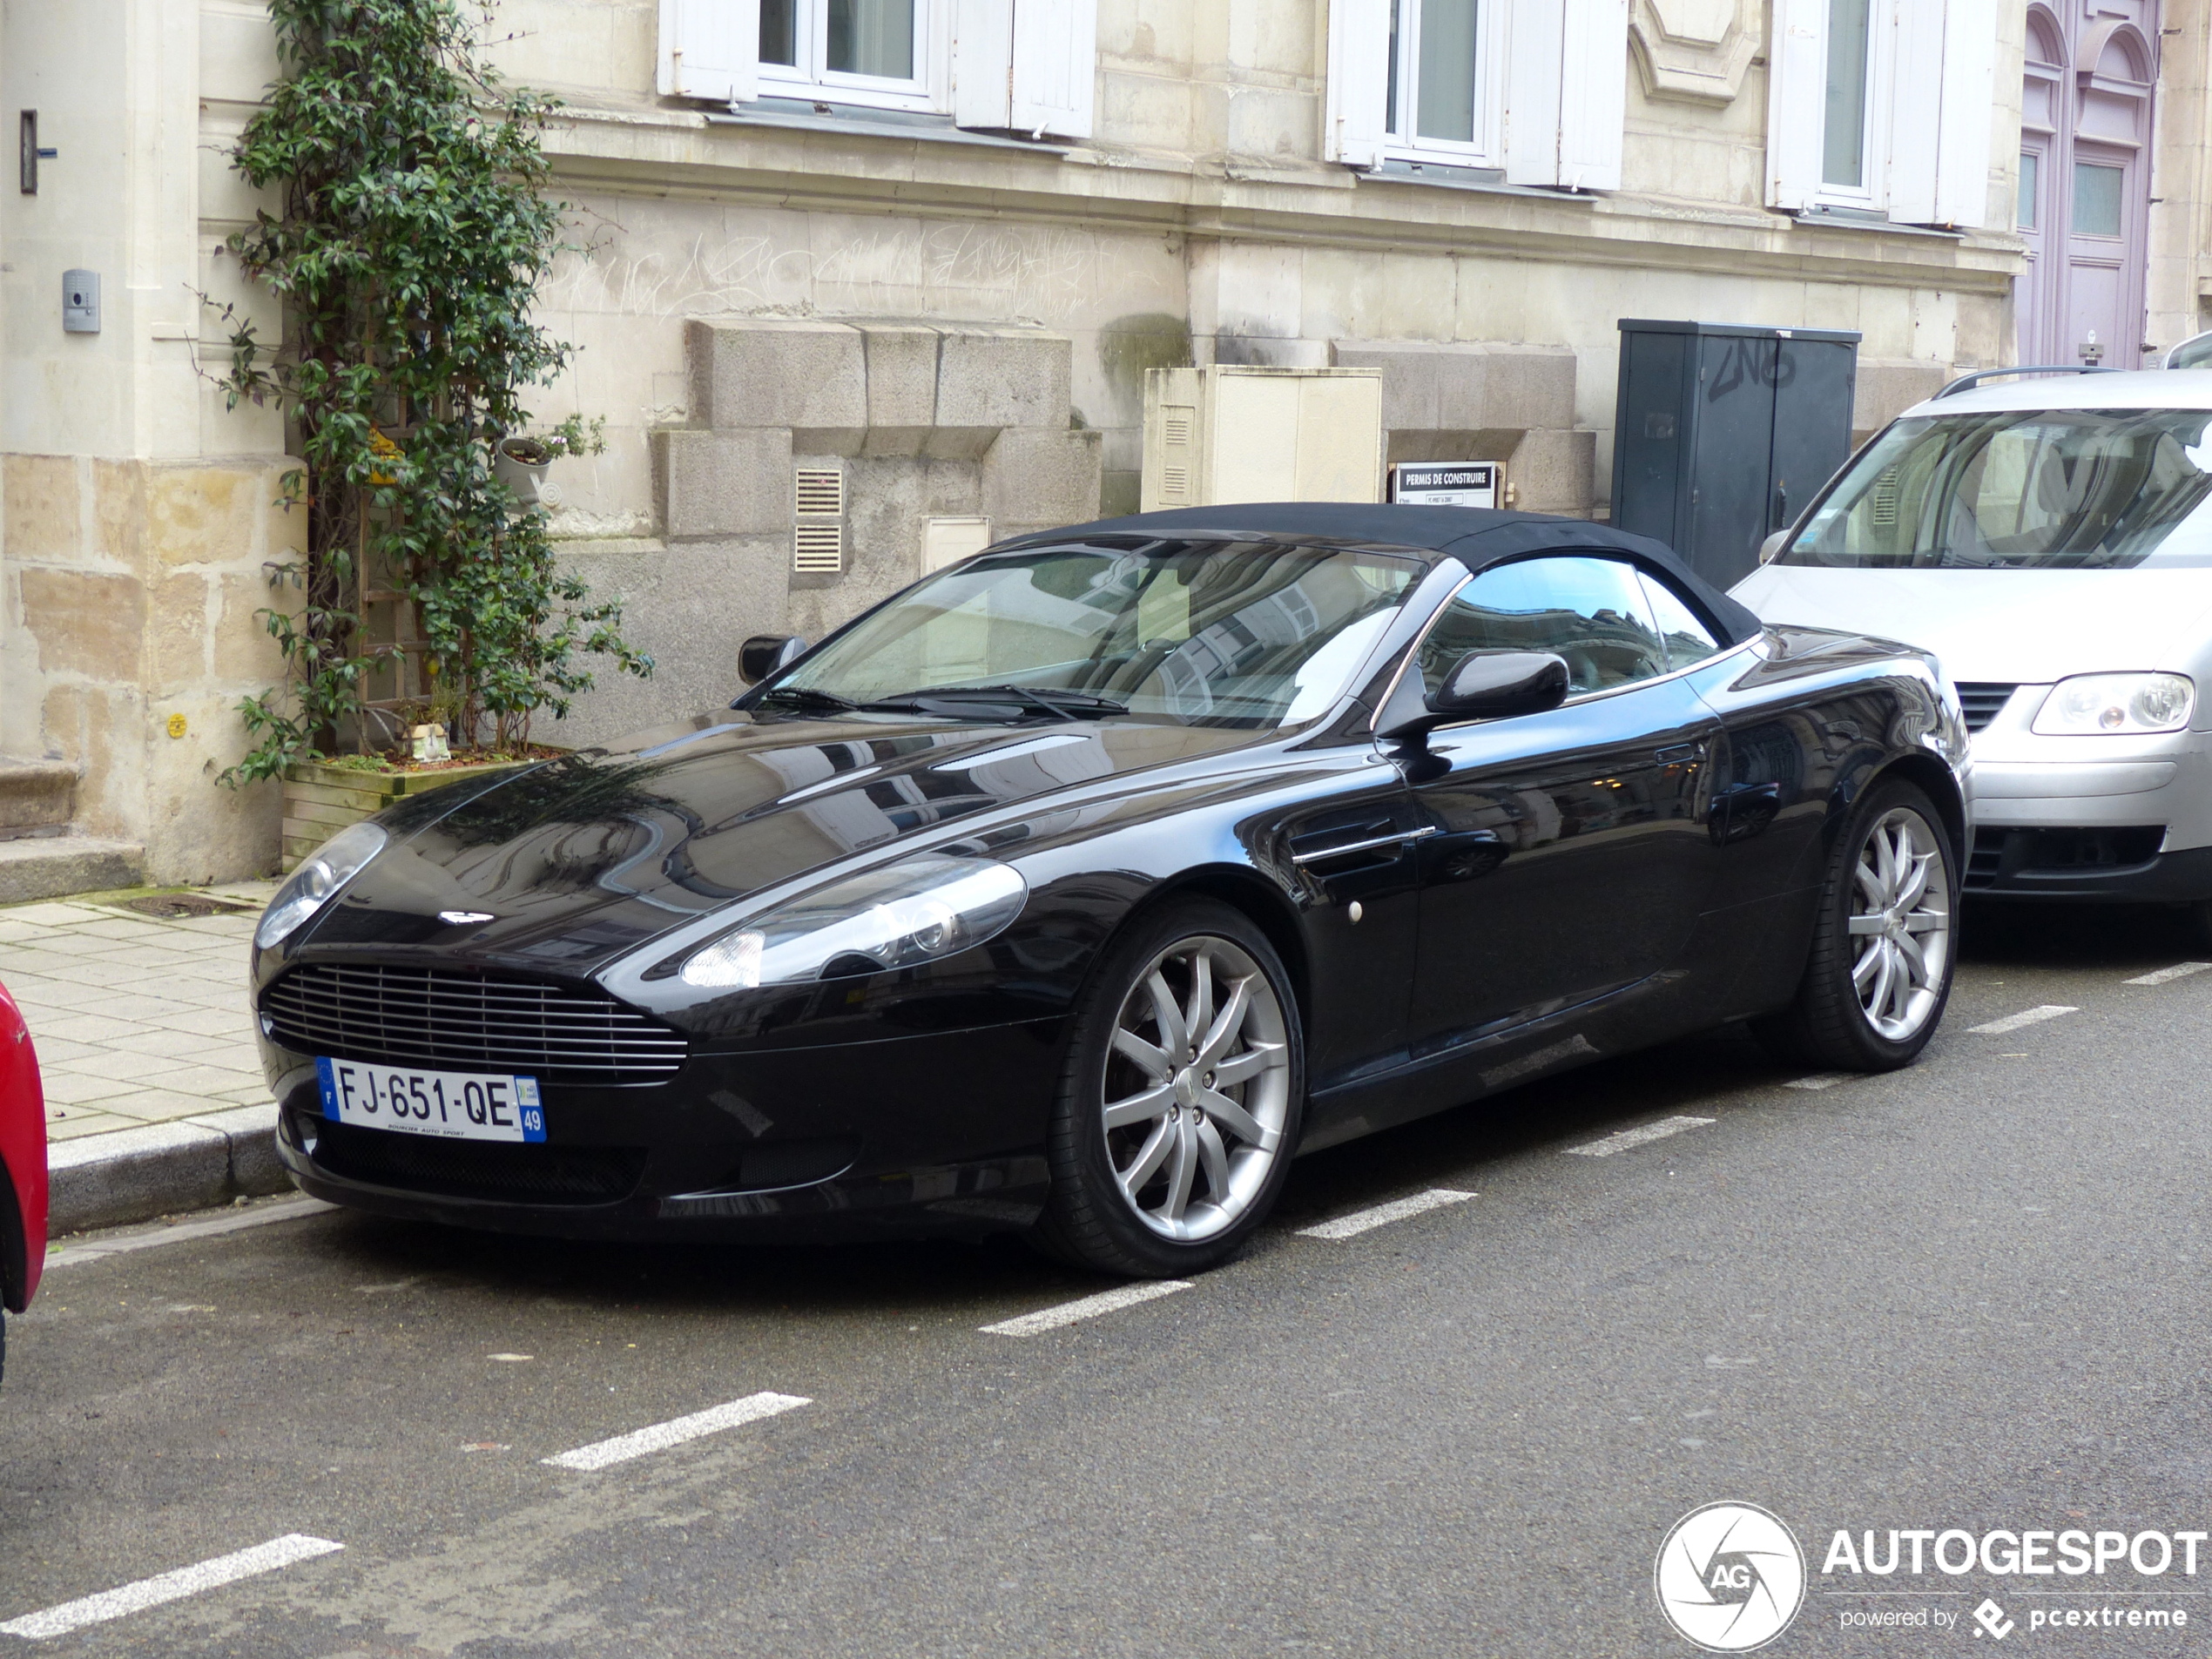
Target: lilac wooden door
point(2085, 180)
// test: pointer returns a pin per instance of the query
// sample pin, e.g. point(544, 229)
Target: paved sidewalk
point(137, 1020)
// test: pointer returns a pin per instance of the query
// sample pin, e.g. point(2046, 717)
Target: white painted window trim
point(1494, 43)
point(1931, 69)
point(927, 91)
point(1872, 196)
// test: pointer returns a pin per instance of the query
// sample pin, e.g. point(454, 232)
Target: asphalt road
point(1972, 1295)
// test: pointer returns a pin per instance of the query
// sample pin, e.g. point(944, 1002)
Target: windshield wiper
point(807, 697)
point(1062, 705)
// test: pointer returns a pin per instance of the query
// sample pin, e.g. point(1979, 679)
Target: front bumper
point(2086, 864)
point(940, 1133)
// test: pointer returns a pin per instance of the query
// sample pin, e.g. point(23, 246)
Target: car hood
point(566, 865)
point(2018, 627)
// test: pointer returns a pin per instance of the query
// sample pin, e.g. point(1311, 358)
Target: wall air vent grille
point(821, 491)
point(1175, 484)
point(1174, 424)
point(818, 548)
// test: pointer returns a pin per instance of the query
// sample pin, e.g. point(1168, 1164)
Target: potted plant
point(408, 249)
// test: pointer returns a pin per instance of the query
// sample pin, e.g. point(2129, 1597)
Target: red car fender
point(23, 1155)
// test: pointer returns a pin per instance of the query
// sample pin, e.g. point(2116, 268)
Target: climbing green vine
point(412, 236)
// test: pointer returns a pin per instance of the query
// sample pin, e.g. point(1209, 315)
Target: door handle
point(1681, 751)
point(1322, 854)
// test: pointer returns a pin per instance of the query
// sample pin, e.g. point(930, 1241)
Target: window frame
point(925, 92)
point(1872, 195)
point(1402, 141)
point(1410, 663)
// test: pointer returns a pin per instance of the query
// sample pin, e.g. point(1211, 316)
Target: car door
point(1565, 856)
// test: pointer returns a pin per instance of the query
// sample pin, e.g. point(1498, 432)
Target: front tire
point(1882, 954)
point(1181, 1099)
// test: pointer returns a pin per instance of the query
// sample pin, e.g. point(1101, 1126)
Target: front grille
point(524, 1174)
point(1987, 861)
point(1982, 701)
point(444, 1017)
point(2002, 855)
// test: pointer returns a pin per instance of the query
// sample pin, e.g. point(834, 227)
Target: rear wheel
point(1880, 970)
point(1181, 1099)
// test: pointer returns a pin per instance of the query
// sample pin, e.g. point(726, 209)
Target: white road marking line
point(1821, 1079)
point(1087, 1307)
point(601, 1454)
point(1382, 1214)
point(99, 1247)
point(169, 1587)
point(2180, 970)
point(1628, 1137)
point(2026, 1016)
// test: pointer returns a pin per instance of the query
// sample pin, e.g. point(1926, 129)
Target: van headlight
point(900, 916)
point(2124, 705)
point(337, 861)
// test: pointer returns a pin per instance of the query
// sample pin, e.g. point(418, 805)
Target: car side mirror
point(1771, 546)
point(1482, 685)
point(763, 654)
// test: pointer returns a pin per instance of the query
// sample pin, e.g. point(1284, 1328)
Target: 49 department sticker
point(1730, 1577)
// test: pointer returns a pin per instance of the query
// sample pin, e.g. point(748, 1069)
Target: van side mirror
point(1771, 546)
point(1482, 685)
point(763, 654)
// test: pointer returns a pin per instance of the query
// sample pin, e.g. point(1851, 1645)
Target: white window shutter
point(1535, 33)
point(710, 49)
point(1055, 66)
point(1797, 102)
point(982, 64)
point(1593, 93)
point(1358, 89)
point(1970, 30)
point(1916, 106)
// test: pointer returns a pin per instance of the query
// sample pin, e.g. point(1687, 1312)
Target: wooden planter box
point(320, 800)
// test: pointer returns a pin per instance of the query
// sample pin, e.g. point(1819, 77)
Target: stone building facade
point(909, 277)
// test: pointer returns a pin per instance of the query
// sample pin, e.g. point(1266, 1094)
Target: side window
point(1592, 612)
point(1688, 640)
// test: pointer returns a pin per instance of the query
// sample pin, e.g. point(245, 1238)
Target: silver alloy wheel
point(1196, 1088)
point(1900, 924)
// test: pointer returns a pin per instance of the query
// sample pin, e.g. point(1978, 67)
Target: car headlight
point(2121, 704)
point(337, 861)
point(894, 917)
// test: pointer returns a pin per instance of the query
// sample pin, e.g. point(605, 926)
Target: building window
point(860, 51)
point(1851, 85)
point(1442, 95)
point(1882, 107)
point(2098, 191)
point(2028, 217)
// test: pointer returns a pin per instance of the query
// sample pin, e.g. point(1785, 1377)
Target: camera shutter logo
point(1730, 1577)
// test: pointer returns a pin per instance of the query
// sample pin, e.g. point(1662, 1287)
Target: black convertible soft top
point(1476, 537)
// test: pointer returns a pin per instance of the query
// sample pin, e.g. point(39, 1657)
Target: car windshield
point(1240, 634)
point(2022, 489)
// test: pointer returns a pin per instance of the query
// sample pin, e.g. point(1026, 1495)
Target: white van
point(2050, 540)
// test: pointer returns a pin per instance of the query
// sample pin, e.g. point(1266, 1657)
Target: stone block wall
point(923, 420)
point(1445, 401)
point(129, 599)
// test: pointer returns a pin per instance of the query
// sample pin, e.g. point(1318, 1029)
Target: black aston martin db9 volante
point(1080, 884)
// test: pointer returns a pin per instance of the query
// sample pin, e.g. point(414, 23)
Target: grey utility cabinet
point(1723, 432)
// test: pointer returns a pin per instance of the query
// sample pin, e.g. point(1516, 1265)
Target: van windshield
point(2022, 489)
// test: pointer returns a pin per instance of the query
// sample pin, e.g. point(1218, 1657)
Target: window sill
point(791, 115)
point(1479, 180)
point(1834, 219)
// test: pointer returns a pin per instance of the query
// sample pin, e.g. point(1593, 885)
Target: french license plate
point(453, 1105)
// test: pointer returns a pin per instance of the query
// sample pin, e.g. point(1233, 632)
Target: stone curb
point(138, 1174)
